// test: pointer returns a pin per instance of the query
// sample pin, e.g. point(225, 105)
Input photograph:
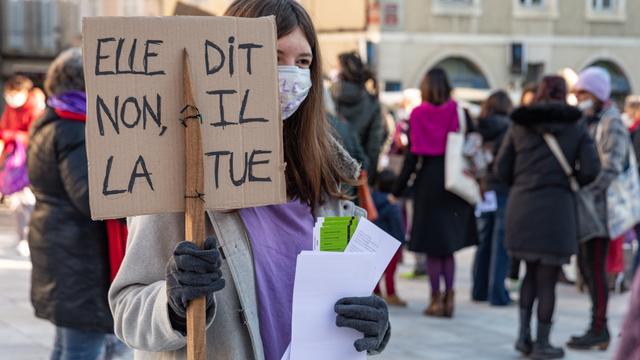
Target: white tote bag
point(623, 197)
point(623, 200)
point(458, 178)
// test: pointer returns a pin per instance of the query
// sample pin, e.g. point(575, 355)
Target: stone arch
point(464, 70)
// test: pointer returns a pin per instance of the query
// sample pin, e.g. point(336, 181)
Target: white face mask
point(294, 84)
point(17, 100)
point(585, 105)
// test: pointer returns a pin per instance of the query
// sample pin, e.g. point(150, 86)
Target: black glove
point(368, 315)
point(190, 274)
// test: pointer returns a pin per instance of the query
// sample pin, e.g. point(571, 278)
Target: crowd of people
point(558, 147)
point(540, 165)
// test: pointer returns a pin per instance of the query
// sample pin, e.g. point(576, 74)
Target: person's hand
point(392, 199)
point(368, 315)
point(191, 273)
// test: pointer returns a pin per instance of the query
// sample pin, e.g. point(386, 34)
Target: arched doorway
point(620, 86)
point(463, 73)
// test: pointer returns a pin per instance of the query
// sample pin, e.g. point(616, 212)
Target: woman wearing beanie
point(442, 222)
point(541, 217)
point(605, 125)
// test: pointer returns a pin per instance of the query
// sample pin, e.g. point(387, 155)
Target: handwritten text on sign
point(135, 133)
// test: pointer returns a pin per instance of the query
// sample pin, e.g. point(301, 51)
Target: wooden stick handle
point(194, 208)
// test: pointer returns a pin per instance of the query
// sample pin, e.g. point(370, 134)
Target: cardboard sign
point(135, 138)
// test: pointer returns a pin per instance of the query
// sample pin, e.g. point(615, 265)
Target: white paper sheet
point(323, 278)
point(368, 238)
point(287, 354)
point(316, 233)
point(488, 204)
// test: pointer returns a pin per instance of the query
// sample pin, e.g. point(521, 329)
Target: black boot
point(591, 339)
point(524, 343)
point(542, 349)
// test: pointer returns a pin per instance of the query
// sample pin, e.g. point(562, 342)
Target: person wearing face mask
point(249, 257)
point(605, 125)
point(23, 105)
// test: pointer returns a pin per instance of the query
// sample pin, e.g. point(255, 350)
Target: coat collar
point(546, 113)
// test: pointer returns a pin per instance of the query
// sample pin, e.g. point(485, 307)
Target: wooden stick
point(194, 207)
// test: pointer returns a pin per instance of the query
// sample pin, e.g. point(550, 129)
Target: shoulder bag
point(589, 225)
point(458, 176)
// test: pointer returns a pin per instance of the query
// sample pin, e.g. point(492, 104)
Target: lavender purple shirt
point(278, 233)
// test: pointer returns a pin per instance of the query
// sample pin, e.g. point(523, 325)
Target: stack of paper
point(323, 278)
point(333, 233)
point(368, 238)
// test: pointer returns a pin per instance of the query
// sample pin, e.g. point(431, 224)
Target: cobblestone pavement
point(476, 332)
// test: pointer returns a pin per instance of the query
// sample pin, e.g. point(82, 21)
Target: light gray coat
point(138, 297)
point(614, 143)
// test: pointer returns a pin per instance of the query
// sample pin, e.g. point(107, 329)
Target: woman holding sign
point(247, 269)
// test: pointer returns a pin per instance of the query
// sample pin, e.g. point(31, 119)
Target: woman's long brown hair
point(312, 169)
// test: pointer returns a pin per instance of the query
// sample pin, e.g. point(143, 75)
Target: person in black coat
point(541, 224)
point(443, 222)
point(491, 261)
point(360, 107)
point(70, 276)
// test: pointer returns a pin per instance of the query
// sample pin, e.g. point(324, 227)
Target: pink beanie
point(595, 80)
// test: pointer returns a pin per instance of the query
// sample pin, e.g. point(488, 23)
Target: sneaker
point(412, 275)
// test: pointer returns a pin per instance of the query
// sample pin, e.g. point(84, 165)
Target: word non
point(131, 112)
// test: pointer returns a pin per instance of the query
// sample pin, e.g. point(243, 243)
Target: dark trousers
point(389, 275)
point(592, 259)
point(72, 344)
point(514, 271)
point(491, 263)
